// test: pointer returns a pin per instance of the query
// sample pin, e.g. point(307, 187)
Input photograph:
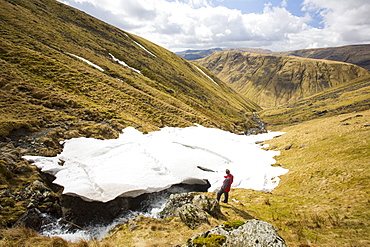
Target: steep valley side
point(274, 80)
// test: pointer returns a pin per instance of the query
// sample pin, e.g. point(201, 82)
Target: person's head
point(227, 171)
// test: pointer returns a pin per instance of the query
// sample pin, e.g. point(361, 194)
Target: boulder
point(192, 215)
point(253, 233)
point(209, 205)
point(191, 208)
point(175, 202)
point(31, 219)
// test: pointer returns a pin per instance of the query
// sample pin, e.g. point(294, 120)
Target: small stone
point(288, 146)
point(132, 226)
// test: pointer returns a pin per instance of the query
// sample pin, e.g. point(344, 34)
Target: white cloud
point(180, 25)
point(349, 21)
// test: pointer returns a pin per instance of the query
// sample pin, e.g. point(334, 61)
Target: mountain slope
point(347, 98)
point(274, 80)
point(355, 54)
point(59, 64)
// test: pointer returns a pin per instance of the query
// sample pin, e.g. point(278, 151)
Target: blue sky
point(257, 6)
point(277, 25)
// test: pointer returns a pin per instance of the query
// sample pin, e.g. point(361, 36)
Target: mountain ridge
point(272, 80)
point(199, 54)
point(355, 54)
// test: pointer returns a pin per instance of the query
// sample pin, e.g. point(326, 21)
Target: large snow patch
point(138, 163)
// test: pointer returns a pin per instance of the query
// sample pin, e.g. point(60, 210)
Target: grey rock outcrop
point(209, 205)
point(193, 209)
point(192, 215)
point(253, 233)
point(31, 218)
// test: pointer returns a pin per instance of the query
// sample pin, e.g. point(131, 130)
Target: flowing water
point(53, 227)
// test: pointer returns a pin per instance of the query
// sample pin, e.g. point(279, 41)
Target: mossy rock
point(212, 240)
point(231, 225)
point(99, 131)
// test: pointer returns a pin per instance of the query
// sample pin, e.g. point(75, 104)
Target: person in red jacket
point(226, 187)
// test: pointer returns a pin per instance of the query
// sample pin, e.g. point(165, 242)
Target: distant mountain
point(198, 54)
point(272, 80)
point(355, 54)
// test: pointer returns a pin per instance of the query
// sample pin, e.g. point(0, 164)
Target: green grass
point(325, 192)
point(350, 97)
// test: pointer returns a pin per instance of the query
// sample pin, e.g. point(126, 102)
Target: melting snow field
point(138, 163)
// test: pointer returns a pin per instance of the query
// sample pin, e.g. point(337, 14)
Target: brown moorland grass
point(324, 198)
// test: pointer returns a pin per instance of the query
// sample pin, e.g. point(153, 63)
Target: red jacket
point(227, 183)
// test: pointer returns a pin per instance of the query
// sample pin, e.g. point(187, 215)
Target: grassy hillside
point(274, 80)
point(347, 98)
point(44, 79)
point(323, 200)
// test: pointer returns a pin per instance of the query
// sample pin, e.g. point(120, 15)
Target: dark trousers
point(219, 194)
